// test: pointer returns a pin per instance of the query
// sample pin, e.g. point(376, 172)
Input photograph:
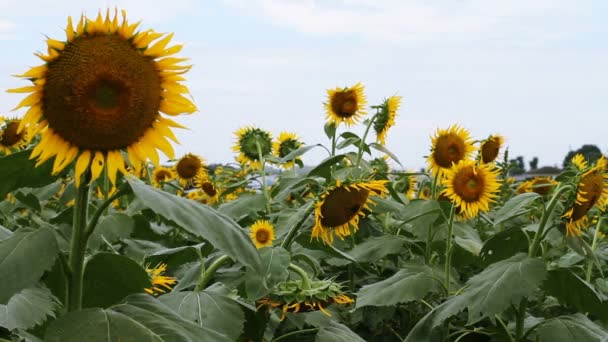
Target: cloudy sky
point(533, 71)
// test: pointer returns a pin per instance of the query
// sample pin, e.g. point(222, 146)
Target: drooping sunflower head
point(345, 104)
point(406, 184)
point(188, 167)
point(386, 117)
point(472, 188)
point(11, 138)
point(285, 144)
point(592, 190)
point(380, 168)
point(160, 283)
point(247, 143)
point(490, 147)
point(449, 146)
point(162, 174)
point(338, 209)
point(262, 233)
point(101, 91)
point(208, 188)
point(540, 185)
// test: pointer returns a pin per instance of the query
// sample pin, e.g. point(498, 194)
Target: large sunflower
point(262, 233)
point(449, 146)
point(339, 208)
point(592, 189)
point(345, 104)
point(471, 187)
point(101, 91)
point(189, 167)
point(490, 147)
point(386, 117)
point(284, 145)
point(248, 139)
point(11, 137)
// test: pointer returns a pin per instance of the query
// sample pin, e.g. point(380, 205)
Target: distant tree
point(517, 166)
point(533, 163)
point(590, 152)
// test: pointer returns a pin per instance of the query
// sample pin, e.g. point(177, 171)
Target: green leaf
point(29, 199)
point(347, 142)
point(112, 228)
point(503, 245)
point(569, 328)
point(298, 152)
point(208, 309)
point(18, 171)
point(140, 318)
point(418, 208)
point(275, 261)
point(23, 259)
point(426, 330)
point(330, 129)
point(246, 205)
point(515, 206)
point(386, 151)
point(28, 308)
point(109, 278)
point(175, 257)
point(201, 220)
point(322, 170)
point(375, 248)
point(5, 233)
point(336, 332)
point(569, 288)
point(467, 238)
point(412, 282)
point(305, 241)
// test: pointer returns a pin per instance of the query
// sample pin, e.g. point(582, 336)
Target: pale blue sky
point(533, 71)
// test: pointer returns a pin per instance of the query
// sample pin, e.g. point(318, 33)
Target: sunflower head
point(385, 118)
point(160, 283)
point(262, 233)
point(203, 183)
point(11, 137)
point(338, 210)
point(380, 168)
point(490, 147)
point(101, 91)
point(449, 146)
point(471, 187)
point(540, 185)
point(248, 140)
point(188, 167)
point(285, 144)
point(162, 174)
point(345, 104)
point(406, 184)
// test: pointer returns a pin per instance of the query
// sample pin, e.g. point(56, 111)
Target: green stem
point(210, 271)
point(362, 142)
point(93, 222)
point(545, 218)
point(294, 333)
point(78, 247)
point(448, 247)
point(593, 247)
point(294, 230)
point(302, 274)
point(505, 328)
point(434, 186)
point(519, 323)
point(263, 172)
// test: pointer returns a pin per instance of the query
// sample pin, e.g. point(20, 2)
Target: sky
point(535, 72)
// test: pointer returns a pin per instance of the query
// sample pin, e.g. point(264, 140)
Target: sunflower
point(380, 168)
point(160, 283)
point(262, 233)
point(162, 174)
point(345, 104)
point(340, 207)
point(285, 144)
point(490, 147)
point(449, 146)
point(471, 187)
point(385, 118)
point(592, 190)
point(406, 184)
point(540, 185)
point(101, 91)
point(11, 137)
point(203, 183)
point(189, 167)
point(248, 139)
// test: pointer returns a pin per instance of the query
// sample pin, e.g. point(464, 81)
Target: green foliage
point(569, 328)
point(28, 308)
point(274, 261)
point(18, 171)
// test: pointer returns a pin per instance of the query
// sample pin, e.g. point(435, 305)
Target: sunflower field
point(100, 240)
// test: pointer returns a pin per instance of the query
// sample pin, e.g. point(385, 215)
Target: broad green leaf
point(386, 151)
point(515, 206)
point(5, 233)
point(140, 318)
point(175, 257)
point(383, 205)
point(419, 208)
point(568, 329)
point(347, 142)
point(428, 328)
point(23, 259)
point(503, 245)
point(336, 332)
point(28, 308)
point(246, 205)
point(330, 129)
point(569, 288)
point(201, 220)
point(296, 153)
point(467, 237)
point(18, 171)
point(109, 278)
point(412, 282)
point(208, 309)
point(375, 248)
point(315, 244)
point(275, 261)
point(29, 200)
point(323, 168)
point(111, 228)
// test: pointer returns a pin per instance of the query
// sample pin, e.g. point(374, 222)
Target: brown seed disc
point(450, 148)
point(10, 137)
point(469, 184)
point(341, 205)
point(344, 103)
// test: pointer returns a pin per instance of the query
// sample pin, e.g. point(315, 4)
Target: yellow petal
point(97, 165)
point(113, 161)
point(69, 30)
point(81, 165)
point(30, 100)
point(27, 89)
point(35, 72)
point(159, 46)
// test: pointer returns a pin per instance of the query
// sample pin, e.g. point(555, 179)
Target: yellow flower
point(339, 208)
point(248, 140)
point(449, 146)
point(386, 117)
point(11, 137)
point(471, 187)
point(287, 143)
point(162, 174)
point(490, 147)
point(101, 91)
point(540, 185)
point(188, 167)
point(203, 183)
point(160, 283)
point(262, 233)
point(345, 104)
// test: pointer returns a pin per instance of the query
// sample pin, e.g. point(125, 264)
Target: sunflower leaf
point(275, 261)
point(296, 153)
point(515, 207)
point(323, 169)
point(28, 308)
point(386, 151)
point(18, 171)
point(504, 244)
point(569, 328)
point(336, 332)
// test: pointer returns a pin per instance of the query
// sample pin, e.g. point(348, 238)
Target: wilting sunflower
point(386, 117)
point(262, 233)
point(188, 167)
point(204, 184)
point(339, 208)
point(248, 139)
point(11, 138)
point(345, 104)
point(471, 187)
point(592, 190)
point(101, 91)
point(540, 185)
point(162, 174)
point(160, 283)
point(449, 146)
point(285, 144)
point(490, 147)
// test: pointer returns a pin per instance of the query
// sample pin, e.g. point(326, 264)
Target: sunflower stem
point(520, 319)
point(303, 275)
point(448, 247)
point(122, 190)
point(263, 172)
point(434, 187)
point(294, 230)
point(593, 247)
point(545, 218)
point(78, 246)
point(210, 272)
point(362, 142)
